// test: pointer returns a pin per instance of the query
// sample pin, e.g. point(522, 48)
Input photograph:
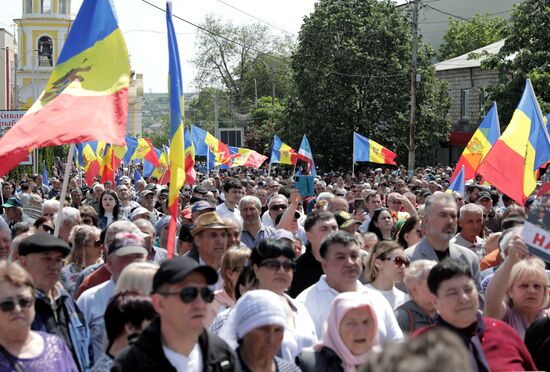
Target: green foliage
point(525, 54)
point(161, 136)
point(267, 117)
point(464, 36)
point(352, 73)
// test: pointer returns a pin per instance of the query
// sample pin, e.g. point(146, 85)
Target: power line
point(263, 53)
point(256, 18)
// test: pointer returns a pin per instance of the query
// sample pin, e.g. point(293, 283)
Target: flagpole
point(353, 159)
point(68, 167)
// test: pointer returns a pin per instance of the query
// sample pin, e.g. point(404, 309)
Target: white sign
point(7, 120)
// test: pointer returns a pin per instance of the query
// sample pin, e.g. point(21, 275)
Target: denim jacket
point(66, 311)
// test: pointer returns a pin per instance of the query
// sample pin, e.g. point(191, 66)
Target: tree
point(352, 71)
point(525, 54)
point(161, 136)
point(267, 117)
point(464, 36)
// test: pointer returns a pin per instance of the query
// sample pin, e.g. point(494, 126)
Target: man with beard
point(439, 225)
point(341, 261)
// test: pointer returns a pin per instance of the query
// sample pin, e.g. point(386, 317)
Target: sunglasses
point(275, 265)
point(398, 261)
point(189, 294)
point(9, 305)
point(278, 207)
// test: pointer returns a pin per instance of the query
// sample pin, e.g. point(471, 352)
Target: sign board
point(232, 136)
point(7, 120)
point(536, 231)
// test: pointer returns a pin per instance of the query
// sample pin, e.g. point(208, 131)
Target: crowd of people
point(379, 271)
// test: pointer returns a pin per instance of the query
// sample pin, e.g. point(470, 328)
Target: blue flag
point(458, 182)
point(45, 179)
point(137, 177)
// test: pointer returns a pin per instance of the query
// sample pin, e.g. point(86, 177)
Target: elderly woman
point(138, 277)
point(386, 266)
point(351, 332)
point(419, 311)
point(86, 251)
point(273, 263)
point(127, 314)
point(518, 292)
point(20, 348)
point(256, 328)
point(382, 224)
point(493, 345)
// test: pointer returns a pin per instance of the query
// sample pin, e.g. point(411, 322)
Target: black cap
point(176, 269)
point(483, 194)
point(43, 242)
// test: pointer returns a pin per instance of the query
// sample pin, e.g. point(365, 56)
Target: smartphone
point(304, 184)
point(359, 205)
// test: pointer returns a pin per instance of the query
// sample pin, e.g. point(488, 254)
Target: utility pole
point(412, 145)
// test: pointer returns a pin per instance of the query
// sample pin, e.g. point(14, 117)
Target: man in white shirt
point(233, 191)
point(176, 339)
point(126, 247)
point(470, 220)
point(342, 266)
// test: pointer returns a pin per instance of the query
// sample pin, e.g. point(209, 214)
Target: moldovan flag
point(281, 152)
point(177, 161)
point(479, 145)
point(86, 97)
point(191, 175)
point(524, 146)
point(365, 149)
point(458, 184)
point(246, 157)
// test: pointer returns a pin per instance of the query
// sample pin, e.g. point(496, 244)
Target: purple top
point(55, 357)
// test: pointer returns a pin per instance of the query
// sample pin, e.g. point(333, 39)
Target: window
point(45, 51)
point(28, 6)
point(63, 7)
point(482, 100)
point(464, 103)
point(45, 6)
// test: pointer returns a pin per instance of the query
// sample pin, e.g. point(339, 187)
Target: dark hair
point(185, 234)
point(24, 186)
point(117, 204)
point(337, 237)
point(372, 225)
point(313, 218)
point(445, 270)
point(407, 227)
point(127, 307)
point(270, 248)
point(286, 191)
point(40, 220)
point(20, 228)
point(246, 276)
point(232, 183)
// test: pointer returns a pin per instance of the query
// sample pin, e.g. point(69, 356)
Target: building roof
point(464, 62)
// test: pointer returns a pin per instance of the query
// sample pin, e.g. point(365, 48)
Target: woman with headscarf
point(351, 333)
point(256, 328)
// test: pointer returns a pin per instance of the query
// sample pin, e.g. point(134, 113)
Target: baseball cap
point(202, 205)
point(126, 243)
point(178, 268)
point(200, 189)
point(344, 219)
point(210, 220)
point(483, 194)
point(137, 211)
point(13, 201)
point(43, 242)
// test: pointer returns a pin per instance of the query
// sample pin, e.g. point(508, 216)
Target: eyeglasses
point(275, 265)
point(398, 261)
point(9, 305)
point(189, 294)
point(278, 207)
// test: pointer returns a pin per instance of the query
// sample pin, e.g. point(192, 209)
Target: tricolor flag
point(191, 175)
point(246, 157)
point(207, 145)
point(365, 149)
point(281, 152)
point(86, 97)
point(177, 161)
point(458, 183)
point(145, 151)
point(479, 145)
point(512, 162)
point(305, 150)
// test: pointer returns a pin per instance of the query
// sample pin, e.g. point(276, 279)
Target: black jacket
point(308, 271)
point(324, 360)
point(146, 353)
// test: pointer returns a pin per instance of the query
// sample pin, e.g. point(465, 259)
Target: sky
point(144, 28)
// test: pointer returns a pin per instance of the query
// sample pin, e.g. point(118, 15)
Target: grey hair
point(417, 271)
point(505, 239)
point(436, 198)
point(470, 207)
point(97, 186)
point(119, 226)
point(250, 199)
point(325, 196)
point(68, 214)
point(50, 203)
point(35, 199)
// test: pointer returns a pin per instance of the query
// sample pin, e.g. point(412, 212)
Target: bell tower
point(42, 31)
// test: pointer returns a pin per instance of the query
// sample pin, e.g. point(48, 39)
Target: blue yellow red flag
point(86, 92)
point(512, 163)
point(191, 175)
point(365, 149)
point(281, 152)
point(458, 184)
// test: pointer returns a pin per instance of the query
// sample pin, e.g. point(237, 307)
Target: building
point(134, 126)
point(42, 31)
point(466, 81)
point(8, 58)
